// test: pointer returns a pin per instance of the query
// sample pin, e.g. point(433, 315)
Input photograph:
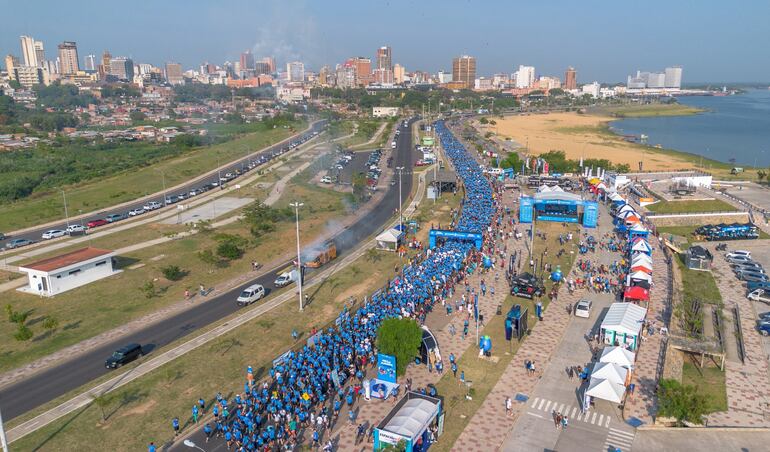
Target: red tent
point(641, 268)
point(636, 293)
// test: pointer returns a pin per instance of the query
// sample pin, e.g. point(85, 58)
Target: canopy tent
point(629, 217)
point(636, 293)
point(641, 246)
point(642, 284)
point(625, 208)
point(408, 421)
point(428, 345)
point(611, 372)
point(640, 276)
point(615, 196)
point(624, 318)
point(619, 356)
point(389, 239)
point(606, 390)
point(642, 267)
point(637, 257)
point(594, 180)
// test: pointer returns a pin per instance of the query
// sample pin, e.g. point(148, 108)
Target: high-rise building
point(673, 77)
point(11, 62)
point(525, 76)
point(295, 71)
point(39, 52)
point(270, 61)
point(247, 61)
point(174, 73)
point(384, 58)
point(261, 67)
point(68, 58)
point(656, 80)
point(570, 78)
point(90, 62)
point(105, 68)
point(399, 73)
point(363, 68)
point(444, 77)
point(28, 53)
point(383, 76)
point(122, 68)
point(346, 75)
point(464, 71)
point(29, 76)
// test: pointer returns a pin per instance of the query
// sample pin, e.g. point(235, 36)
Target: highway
point(25, 395)
point(262, 157)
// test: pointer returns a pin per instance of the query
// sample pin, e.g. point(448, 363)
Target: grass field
point(710, 381)
point(710, 205)
point(95, 195)
point(92, 309)
point(698, 285)
point(141, 411)
point(652, 110)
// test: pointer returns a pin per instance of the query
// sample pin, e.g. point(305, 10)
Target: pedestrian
point(187, 294)
point(555, 418)
point(569, 372)
point(195, 414)
point(462, 377)
point(202, 290)
point(559, 419)
point(207, 431)
point(151, 447)
point(532, 367)
point(202, 404)
point(454, 369)
point(175, 426)
point(508, 406)
point(564, 422)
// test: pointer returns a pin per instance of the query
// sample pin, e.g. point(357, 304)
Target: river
point(733, 127)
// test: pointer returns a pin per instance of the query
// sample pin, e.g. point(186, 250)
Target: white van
point(762, 295)
point(393, 145)
point(251, 294)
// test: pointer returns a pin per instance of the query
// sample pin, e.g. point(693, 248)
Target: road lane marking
point(542, 402)
point(574, 410)
point(593, 418)
point(548, 405)
point(607, 424)
point(601, 419)
point(535, 414)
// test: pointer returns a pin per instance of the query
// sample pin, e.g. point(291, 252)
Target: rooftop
point(65, 260)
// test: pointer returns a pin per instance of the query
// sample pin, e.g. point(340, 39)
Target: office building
point(295, 71)
point(482, 84)
point(383, 76)
point(122, 68)
point(673, 77)
point(363, 69)
point(262, 68)
point(68, 58)
point(39, 52)
point(270, 61)
point(547, 83)
point(29, 76)
point(247, 61)
point(11, 62)
point(524, 77)
point(174, 74)
point(444, 77)
point(90, 62)
point(105, 68)
point(464, 71)
point(29, 51)
point(346, 76)
point(399, 73)
point(570, 78)
point(592, 89)
point(656, 80)
point(384, 58)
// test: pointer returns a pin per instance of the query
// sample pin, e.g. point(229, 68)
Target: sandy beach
point(580, 135)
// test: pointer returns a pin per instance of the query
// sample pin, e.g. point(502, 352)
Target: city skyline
point(303, 31)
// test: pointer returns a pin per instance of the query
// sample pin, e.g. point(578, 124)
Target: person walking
point(207, 431)
point(508, 406)
point(151, 447)
point(564, 422)
point(195, 414)
point(175, 425)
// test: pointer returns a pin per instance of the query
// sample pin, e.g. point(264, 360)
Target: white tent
point(610, 371)
point(544, 189)
point(624, 318)
point(625, 208)
point(639, 228)
point(606, 390)
point(642, 264)
point(641, 246)
point(641, 276)
point(618, 355)
point(638, 256)
point(388, 240)
point(615, 196)
point(412, 418)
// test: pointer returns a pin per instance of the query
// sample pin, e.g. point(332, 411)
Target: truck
point(327, 253)
point(286, 278)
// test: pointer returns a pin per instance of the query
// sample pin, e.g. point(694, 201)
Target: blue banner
point(386, 367)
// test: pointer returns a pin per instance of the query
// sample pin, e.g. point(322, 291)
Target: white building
point(381, 112)
point(444, 77)
point(52, 276)
point(673, 77)
point(525, 76)
point(591, 88)
point(295, 71)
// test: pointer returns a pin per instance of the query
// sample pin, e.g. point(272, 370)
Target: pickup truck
point(286, 278)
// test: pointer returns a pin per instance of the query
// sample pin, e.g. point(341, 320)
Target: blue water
point(733, 127)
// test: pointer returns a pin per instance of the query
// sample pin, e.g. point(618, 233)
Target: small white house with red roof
point(54, 275)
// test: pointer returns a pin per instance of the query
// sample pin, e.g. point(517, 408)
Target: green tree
point(761, 174)
point(23, 333)
point(173, 272)
point(400, 338)
point(373, 255)
point(229, 250)
point(137, 116)
point(682, 402)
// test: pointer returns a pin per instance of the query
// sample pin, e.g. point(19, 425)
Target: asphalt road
point(264, 156)
point(42, 387)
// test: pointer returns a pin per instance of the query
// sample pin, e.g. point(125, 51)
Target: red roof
point(65, 260)
point(637, 293)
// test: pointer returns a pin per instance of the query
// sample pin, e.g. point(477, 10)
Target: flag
point(581, 161)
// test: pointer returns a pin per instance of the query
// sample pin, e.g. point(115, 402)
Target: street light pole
point(163, 181)
point(296, 206)
point(66, 214)
point(400, 214)
point(3, 438)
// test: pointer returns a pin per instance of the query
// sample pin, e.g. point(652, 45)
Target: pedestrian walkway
point(642, 404)
point(573, 412)
point(618, 439)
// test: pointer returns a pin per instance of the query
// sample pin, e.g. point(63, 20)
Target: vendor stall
point(622, 325)
point(618, 355)
point(409, 422)
point(389, 239)
point(635, 294)
point(606, 390)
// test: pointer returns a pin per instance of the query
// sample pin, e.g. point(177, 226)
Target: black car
point(123, 355)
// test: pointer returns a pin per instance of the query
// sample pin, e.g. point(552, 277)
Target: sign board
point(389, 437)
point(386, 367)
point(526, 209)
point(278, 361)
point(590, 214)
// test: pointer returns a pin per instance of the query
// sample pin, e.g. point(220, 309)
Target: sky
point(714, 41)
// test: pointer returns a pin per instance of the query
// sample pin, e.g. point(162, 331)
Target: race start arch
point(476, 238)
point(560, 208)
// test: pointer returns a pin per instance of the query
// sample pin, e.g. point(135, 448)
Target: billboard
point(386, 367)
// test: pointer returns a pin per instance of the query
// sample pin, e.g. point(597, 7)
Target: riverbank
point(650, 110)
point(590, 136)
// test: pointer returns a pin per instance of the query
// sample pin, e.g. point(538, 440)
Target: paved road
point(263, 156)
point(34, 391)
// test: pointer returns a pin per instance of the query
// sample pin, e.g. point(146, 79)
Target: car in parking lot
point(152, 205)
point(748, 268)
point(53, 233)
point(96, 223)
point(751, 277)
point(112, 218)
point(738, 259)
point(583, 308)
point(17, 243)
point(135, 212)
point(75, 229)
point(326, 180)
point(750, 264)
point(763, 326)
point(251, 294)
point(764, 316)
point(123, 355)
point(757, 285)
point(762, 295)
point(736, 253)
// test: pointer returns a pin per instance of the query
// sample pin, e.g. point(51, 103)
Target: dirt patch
point(140, 409)
point(358, 289)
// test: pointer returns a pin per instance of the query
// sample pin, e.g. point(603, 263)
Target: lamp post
point(3, 438)
point(66, 213)
point(163, 181)
point(400, 214)
point(296, 206)
point(189, 443)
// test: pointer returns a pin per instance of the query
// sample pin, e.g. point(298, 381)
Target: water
point(733, 127)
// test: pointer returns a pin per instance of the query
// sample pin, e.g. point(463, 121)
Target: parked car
point(763, 327)
point(738, 259)
point(762, 295)
point(112, 218)
point(53, 233)
point(75, 229)
point(764, 316)
point(326, 180)
point(135, 212)
point(752, 277)
point(96, 223)
point(251, 294)
point(152, 205)
point(16, 243)
point(751, 264)
point(757, 285)
point(583, 308)
point(123, 355)
point(736, 253)
point(2, 236)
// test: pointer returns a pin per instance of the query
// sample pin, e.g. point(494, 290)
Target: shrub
point(681, 402)
point(173, 272)
point(229, 251)
point(23, 333)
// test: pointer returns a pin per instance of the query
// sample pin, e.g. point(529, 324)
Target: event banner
point(386, 367)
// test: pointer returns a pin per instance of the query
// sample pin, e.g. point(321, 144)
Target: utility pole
point(3, 438)
point(296, 206)
point(400, 214)
point(66, 214)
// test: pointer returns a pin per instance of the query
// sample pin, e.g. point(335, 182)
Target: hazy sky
point(604, 40)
